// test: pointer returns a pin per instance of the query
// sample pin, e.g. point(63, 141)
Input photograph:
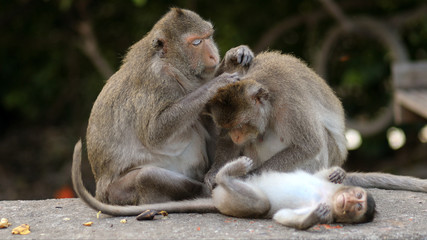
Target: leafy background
point(55, 56)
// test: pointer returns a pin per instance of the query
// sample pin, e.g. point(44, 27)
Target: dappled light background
point(55, 56)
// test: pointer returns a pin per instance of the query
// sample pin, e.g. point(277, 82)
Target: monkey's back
point(292, 74)
point(300, 96)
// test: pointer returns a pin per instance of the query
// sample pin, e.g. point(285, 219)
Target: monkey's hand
point(237, 59)
point(225, 79)
point(210, 179)
point(242, 55)
point(337, 175)
point(322, 213)
point(304, 218)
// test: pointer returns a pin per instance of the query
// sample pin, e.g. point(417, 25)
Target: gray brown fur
point(302, 110)
point(146, 140)
point(305, 117)
point(279, 196)
point(202, 205)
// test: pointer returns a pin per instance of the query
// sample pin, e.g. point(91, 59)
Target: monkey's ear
point(159, 44)
point(260, 95)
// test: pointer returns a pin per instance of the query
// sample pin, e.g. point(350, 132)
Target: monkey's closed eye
point(197, 42)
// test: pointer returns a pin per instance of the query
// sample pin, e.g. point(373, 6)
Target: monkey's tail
point(201, 205)
point(386, 181)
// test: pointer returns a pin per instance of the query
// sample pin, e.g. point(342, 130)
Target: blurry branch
point(315, 16)
point(273, 33)
point(336, 12)
point(408, 16)
point(91, 49)
point(291, 22)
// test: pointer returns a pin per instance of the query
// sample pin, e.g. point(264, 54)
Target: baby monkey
point(295, 199)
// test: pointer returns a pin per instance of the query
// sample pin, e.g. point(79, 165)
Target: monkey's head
point(353, 205)
point(183, 40)
point(242, 108)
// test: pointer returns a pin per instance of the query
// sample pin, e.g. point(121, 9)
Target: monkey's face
point(349, 204)
point(202, 52)
point(243, 134)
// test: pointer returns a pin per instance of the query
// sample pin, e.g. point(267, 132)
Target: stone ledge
point(402, 215)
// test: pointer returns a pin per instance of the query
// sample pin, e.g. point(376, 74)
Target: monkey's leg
point(235, 168)
point(235, 197)
point(225, 152)
point(152, 184)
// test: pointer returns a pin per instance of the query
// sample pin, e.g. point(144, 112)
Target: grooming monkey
point(146, 140)
point(296, 199)
point(285, 117)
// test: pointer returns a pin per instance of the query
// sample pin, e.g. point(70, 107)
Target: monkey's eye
point(359, 207)
point(359, 195)
point(197, 42)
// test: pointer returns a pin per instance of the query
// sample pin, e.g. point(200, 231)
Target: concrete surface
point(401, 215)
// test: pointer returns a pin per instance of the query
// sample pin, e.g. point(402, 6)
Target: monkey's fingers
point(239, 56)
point(244, 55)
point(235, 77)
point(334, 178)
point(150, 214)
point(322, 210)
point(248, 58)
point(337, 176)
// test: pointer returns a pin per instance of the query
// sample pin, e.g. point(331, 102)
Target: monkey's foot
point(246, 162)
point(239, 167)
point(150, 214)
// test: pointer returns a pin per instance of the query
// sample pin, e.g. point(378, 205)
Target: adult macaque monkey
point(281, 114)
point(285, 117)
point(146, 141)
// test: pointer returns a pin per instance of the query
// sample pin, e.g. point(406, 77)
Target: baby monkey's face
point(349, 204)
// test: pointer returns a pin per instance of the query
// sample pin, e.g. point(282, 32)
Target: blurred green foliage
point(49, 81)
point(44, 71)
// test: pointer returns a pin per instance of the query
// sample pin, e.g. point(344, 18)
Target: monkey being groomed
point(281, 114)
point(284, 116)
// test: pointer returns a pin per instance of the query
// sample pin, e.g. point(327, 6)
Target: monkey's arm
point(305, 143)
point(225, 152)
point(237, 59)
point(292, 158)
point(304, 218)
point(179, 115)
point(333, 174)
